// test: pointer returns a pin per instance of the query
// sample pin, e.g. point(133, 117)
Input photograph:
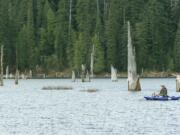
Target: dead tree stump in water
point(7, 72)
point(92, 62)
point(73, 76)
point(178, 83)
point(133, 78)
point(83, 73)
point(30, 74)
point(113, 74)
point(16, 77)
point(88, 77)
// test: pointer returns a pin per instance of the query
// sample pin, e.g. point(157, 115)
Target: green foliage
point(98, 56)
point(61, 34)
point(177, 49)
point(23, 48)
point(80, 51)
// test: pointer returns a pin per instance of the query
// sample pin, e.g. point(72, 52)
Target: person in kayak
point(163, 92)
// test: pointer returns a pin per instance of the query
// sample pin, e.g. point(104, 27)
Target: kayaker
point(163, 91)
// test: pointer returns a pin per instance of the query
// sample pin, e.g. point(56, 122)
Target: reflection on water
point(112, 110)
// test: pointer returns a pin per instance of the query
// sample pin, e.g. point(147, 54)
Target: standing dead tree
point(30, 74)
point(16, 77)
point(2, 55)
point(87, 76)
point(73, 76)
point(113, 74)
point(133, 78)
point(83, 73)
point(17, 72)
point(178, 83)
point(92, 62)
point(7, 72)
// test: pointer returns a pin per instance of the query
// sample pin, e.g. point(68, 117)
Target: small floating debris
point(90, 90)
point(57, 88)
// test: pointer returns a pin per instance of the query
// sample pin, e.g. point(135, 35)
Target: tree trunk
point(133, 78)
point(7, 72)
point(87, 77)
point(70, 14)
point(23, 76)
point(30, 74)
point(1, 78)
point(178, 83)
point(92, 62)
point(73, 76)
point(44, 76)
point(83, 73)
point(113, 74)
point(17, 72)
point(16, 77)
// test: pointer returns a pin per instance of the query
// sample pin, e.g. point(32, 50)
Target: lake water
point(27, 110)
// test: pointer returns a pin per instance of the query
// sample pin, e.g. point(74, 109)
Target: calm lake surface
point(27, 110)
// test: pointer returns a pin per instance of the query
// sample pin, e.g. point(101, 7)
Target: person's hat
point(163, 86)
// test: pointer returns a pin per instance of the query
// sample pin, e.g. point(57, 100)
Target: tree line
point(56, 35)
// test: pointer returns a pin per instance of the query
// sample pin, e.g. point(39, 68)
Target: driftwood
point(90, 90)
point(57, 88)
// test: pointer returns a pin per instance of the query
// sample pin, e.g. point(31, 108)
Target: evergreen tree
point(114, 32)
point(86, 19)
point(61, 34)
point(80, 52)
point(31, 43)
point(99, 55)
point(177, 49)
point(22, 49)
point(153, 39)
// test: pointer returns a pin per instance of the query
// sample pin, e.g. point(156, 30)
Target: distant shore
point(54, 75)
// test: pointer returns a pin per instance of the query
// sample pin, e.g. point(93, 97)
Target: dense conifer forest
point(58, 35)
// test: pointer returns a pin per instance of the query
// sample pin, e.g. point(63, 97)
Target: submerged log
point(113, 74)
point(90, 90)
point(1, 77)
point(73, 76)
point(178, 83)
point(133, 78)
point(57, 88)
